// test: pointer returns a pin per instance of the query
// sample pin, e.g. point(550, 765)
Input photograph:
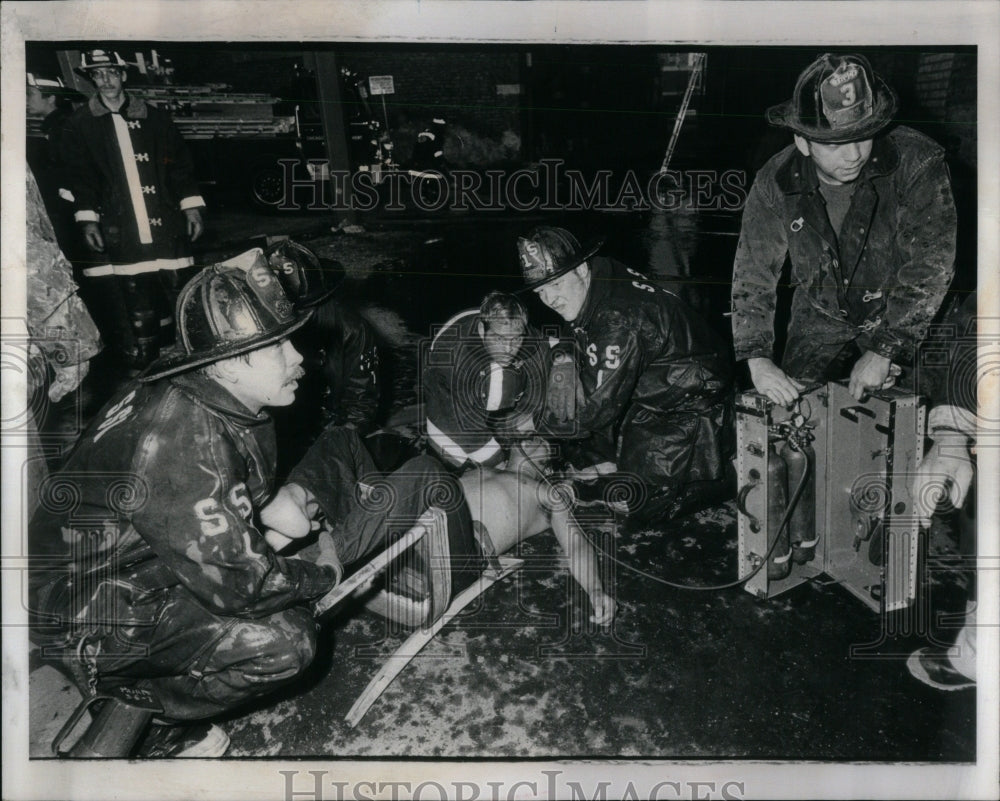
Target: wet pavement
point(692, 671)
point(682, 673)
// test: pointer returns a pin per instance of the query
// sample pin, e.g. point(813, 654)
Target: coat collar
point(600, 273)
point(798, 174)
point(213, 395)
point(134, 108)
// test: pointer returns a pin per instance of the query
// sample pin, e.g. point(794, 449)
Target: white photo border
point(684, 22)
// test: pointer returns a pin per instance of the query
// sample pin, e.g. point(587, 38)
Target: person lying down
point(514, 507)
point(337, 489)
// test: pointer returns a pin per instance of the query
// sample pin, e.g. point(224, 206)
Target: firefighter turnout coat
point(166, 481)
point(878, 284)
point(655, 376)
point(132, 172)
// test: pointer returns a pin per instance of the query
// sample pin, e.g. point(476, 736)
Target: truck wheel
point(267, 184)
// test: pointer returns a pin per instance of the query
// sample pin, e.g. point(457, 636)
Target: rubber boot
point(144, 299)
point(172, 282)
point(104, 298)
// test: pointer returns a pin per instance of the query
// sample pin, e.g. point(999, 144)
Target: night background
point(683, 674)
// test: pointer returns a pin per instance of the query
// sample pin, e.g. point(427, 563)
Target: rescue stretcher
point(429, 616)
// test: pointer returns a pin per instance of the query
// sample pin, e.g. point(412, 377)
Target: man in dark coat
point(138, 206)
point(155, 575)
point(338, 341)
point(49, 101)
point(866, 218)
point(655, 378)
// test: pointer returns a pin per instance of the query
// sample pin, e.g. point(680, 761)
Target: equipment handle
point(852, 412)
point(741, 504)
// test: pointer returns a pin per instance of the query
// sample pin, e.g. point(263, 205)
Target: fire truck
point(246, 145)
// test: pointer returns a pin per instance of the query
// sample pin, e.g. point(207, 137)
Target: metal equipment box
point(866, 535)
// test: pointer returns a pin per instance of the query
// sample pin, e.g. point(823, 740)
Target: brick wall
point(937, 95)
point(932, 82)
point(945, 88)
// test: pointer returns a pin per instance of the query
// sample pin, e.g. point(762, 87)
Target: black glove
point(565, 392)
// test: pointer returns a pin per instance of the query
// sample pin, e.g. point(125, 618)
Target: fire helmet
point(46, 85)
point(837, 99)
point(548, 253)
point(307, 279)
point(97, 58)
point(227, 310)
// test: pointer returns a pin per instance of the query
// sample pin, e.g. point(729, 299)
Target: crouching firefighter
point(154, 579)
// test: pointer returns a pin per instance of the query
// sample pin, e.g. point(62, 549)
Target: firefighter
point(160, 583)
point(865, 215)
point(50, 101)
point(946, 478)
point(482, 378)
point(653, 386)
point(338, 341)
point(138, 206)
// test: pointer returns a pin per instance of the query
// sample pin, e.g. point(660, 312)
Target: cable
point(711, 588)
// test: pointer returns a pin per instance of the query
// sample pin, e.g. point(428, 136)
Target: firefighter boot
point(143, 299)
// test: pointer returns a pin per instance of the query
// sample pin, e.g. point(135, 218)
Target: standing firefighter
point(867, 219)
point(136, 200)
point(654, 378)
point(48, 100)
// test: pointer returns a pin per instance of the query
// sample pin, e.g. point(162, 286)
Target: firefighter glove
point(565, 392)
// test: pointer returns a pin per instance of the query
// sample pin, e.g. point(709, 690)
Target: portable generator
point(824, 488)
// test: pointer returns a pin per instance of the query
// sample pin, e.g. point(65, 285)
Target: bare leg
point(582, 564)
point(514, 508)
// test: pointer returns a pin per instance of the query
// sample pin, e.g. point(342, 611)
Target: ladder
point(699, 64)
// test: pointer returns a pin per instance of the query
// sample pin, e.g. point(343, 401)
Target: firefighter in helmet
point(645, 385)
point(155, 571)
point(138, 206)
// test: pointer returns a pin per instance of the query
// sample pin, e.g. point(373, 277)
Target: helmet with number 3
point(837, 99)
point(226, 310)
